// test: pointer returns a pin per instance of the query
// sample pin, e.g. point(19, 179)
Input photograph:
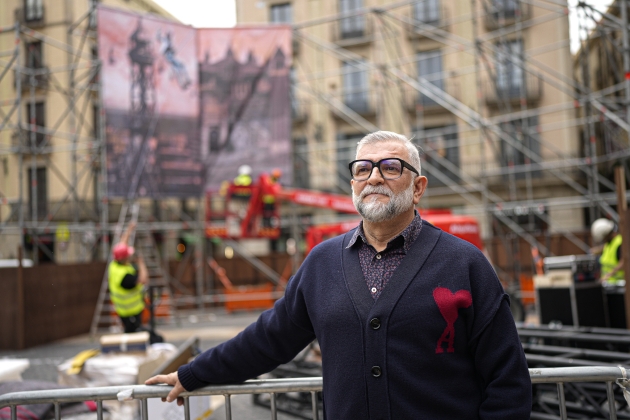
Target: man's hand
point(170, 379)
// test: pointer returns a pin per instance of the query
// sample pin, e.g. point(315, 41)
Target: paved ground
point(212, 328)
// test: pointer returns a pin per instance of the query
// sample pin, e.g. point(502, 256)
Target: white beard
point(375, 211)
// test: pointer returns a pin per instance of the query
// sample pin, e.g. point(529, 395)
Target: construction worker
point(269, 200)
point(244, 178)
point(127, 283)
point(604, 231)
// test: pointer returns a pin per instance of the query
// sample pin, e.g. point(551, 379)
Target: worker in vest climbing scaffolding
point(127, 283)
point(605, 233)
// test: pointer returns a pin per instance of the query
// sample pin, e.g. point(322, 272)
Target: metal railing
point(142, 393)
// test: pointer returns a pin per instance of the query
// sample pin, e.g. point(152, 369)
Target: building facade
point(483, 86)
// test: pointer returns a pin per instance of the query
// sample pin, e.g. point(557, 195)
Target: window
point(36, 123)
point(355, 87)
point(524, 131)
point(95, 66)
point(430, 68)
point(505, 8)
point(441, 147)
point(33, 10)
point(300, 163)
point(353, 26)
point(40, 182)
point(280, 13)
point(427, 11)
point(96, 121)
point(509, 71)
point(34, 55)
point(346, 153)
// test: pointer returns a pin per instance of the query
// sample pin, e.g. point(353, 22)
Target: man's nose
point(375, 176)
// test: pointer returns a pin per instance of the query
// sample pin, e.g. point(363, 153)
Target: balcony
point(353, 31)
point(362, 102)
point(21, 138)
point(40, 78)
point(424, 27)
point(32, 16)
point(530, 89)
point(505, 12)
point(417, 102)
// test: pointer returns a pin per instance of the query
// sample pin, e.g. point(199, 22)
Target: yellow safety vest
point(609, 260)
point(243, 181)
point(268, 199)
point(127, 302)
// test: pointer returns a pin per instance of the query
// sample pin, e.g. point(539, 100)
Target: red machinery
point(252, 212)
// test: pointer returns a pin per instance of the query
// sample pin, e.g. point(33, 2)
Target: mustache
point(375, 189)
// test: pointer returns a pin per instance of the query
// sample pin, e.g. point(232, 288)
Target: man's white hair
point(384, 136)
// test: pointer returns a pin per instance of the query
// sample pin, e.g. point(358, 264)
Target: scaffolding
point(517, 153)
point(501, 123)
point(70, 152)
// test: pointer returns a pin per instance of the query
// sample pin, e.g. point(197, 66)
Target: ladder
point(164, 307)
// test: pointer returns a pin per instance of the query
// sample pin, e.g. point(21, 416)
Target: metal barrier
point(560, 376)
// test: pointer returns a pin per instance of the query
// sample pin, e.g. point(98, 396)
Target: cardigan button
point(376, 371)
point(375, 323)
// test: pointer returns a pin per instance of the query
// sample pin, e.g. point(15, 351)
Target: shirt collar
point(409, 234)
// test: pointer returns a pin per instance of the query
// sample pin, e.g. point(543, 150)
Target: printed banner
point(185, 107)
point(244, 100)
point(150, 95)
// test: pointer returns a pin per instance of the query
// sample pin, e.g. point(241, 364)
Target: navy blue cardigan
point(439, 343)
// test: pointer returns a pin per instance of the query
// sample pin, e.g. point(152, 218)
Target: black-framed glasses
point(390, 168)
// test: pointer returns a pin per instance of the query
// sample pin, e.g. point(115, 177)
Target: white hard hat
point(244, 170)
point(600, 228)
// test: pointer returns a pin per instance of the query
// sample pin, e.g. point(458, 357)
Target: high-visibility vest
point(127, 302)
point(609, 260)
point(268, 199)
point(243, 181)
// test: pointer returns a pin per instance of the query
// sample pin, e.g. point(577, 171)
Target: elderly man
point(412, 322)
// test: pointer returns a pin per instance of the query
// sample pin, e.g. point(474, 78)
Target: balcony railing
point(31, 16)
point(528, 87)
point(40, 77)
point(354, 30)
point(506, 12)
point(363, 102)
point(22, 138)
point(611, 379)
point(416, 101)
point(422, 27)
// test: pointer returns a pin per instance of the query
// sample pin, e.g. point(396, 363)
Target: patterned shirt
point(378, 267)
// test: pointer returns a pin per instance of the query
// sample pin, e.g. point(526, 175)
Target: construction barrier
point(142, 393)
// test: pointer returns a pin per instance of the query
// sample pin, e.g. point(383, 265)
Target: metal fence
point(560, 376)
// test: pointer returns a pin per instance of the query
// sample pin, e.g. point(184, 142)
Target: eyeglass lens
point(390, 169)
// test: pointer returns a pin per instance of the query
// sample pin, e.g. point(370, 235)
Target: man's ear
point(420, 186)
